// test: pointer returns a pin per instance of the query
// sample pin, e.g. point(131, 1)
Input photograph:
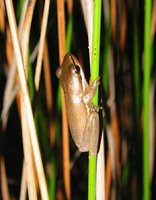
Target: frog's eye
point(77, 69)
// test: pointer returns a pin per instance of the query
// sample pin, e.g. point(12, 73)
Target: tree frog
point(82, 115)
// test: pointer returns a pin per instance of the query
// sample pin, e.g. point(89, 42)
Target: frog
point(82, 114)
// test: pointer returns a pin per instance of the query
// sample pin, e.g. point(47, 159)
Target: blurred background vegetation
point(126, 93)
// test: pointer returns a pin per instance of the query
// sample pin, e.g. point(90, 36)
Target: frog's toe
point(96, 82)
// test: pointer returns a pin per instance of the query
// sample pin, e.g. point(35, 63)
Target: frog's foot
point(94, 108)
point(95, 83)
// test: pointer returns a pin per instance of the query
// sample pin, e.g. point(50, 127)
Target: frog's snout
point(58, 72)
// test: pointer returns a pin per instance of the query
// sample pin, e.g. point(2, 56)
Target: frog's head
point(70, 73)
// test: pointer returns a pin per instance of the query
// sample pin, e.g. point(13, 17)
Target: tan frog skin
point(82, 115)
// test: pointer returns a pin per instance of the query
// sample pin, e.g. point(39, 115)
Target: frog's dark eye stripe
point(77, 69)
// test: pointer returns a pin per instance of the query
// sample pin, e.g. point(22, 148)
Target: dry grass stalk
point(26, 99)
point(26, 32)
point(100, 179)
point(61, 29)
point(23, 188)
point(108, 176)
point(2, 16)
point(70, 6)
point(10, 92)
point(9, 49)
point(115, 131)
point(41, 44)
point(11, 87)
point(123, 25)
point(47, 77)
point(4, 183)
point(28, 157)
point(113, 17)
point(65, 136)
point(48, 87)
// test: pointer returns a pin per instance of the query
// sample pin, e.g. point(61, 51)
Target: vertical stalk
point(136, 64)
point(95, 74)
point(69, 33)
point(146, 87)
point(65, 135)
point(26, 99)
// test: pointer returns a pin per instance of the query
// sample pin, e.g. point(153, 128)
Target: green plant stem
point(92, 178)
point(69, 33)
point(146, 87)
point(94, 75)
point(96, 44)
point(52, 180)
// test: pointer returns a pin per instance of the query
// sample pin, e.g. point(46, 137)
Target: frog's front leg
point(91, 133)
point(90, 91)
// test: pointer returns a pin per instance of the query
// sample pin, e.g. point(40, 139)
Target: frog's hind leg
point(91, 136)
